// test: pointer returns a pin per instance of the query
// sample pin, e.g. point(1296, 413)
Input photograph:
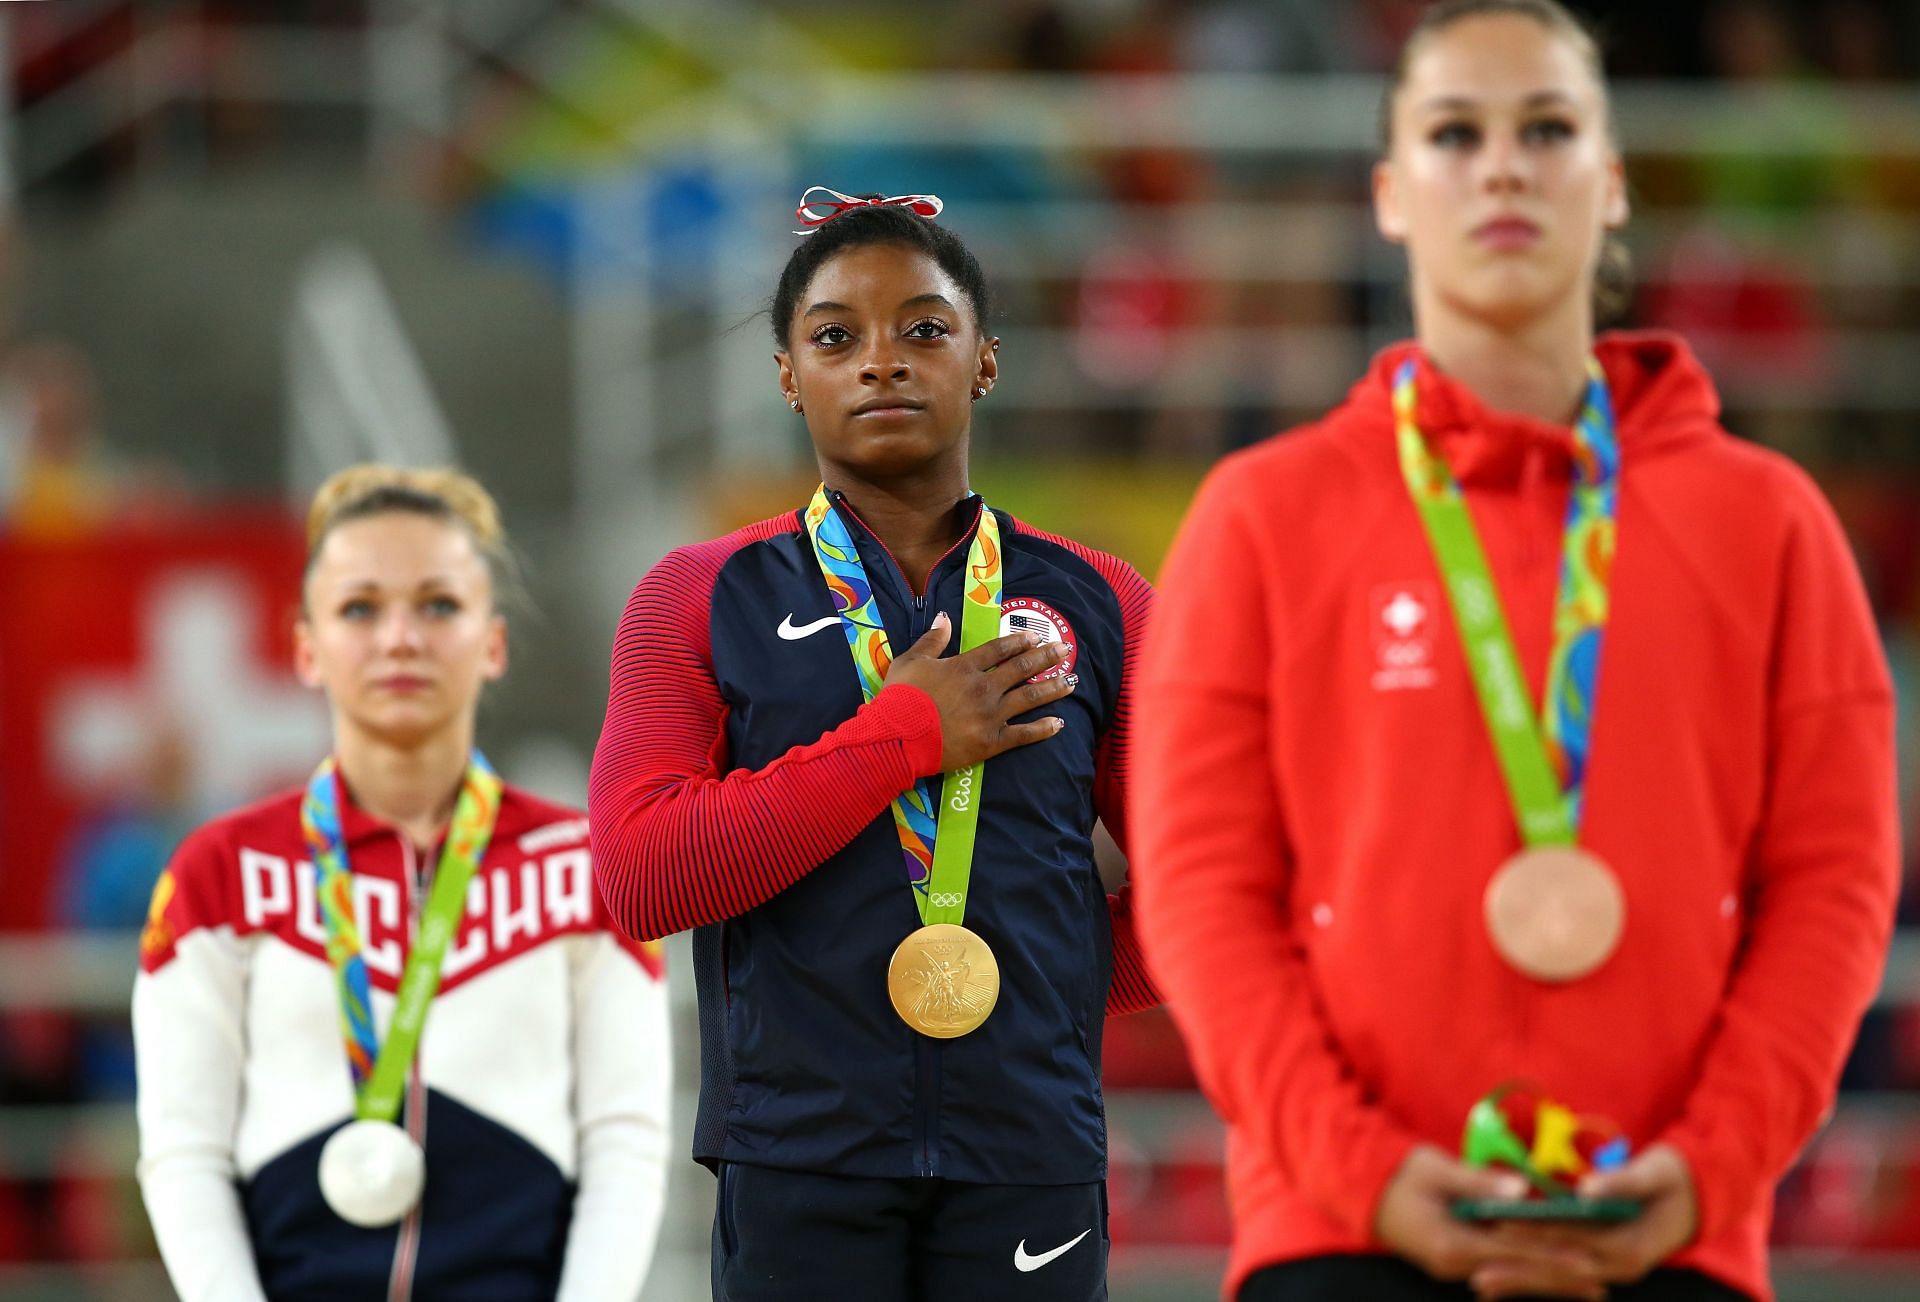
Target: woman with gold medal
point(1542, 750)
point(860, 748)
point(388, 1046)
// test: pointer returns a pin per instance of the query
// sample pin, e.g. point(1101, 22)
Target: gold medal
point(943, 980)
point(1555, 912)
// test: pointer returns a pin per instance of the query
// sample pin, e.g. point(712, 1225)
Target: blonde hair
point(439, 493)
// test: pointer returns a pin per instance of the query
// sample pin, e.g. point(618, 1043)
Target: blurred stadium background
point(247, 241)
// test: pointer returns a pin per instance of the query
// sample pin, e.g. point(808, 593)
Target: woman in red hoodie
point(1377, 880)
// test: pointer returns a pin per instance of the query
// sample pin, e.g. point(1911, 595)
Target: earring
point(794, 403)
point(979, 392)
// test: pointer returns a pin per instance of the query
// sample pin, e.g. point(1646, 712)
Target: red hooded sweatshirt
point(1318, 807)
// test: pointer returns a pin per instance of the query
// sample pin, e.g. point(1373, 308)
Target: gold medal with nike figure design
point(943, 979)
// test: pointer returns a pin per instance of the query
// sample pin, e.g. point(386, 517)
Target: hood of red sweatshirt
point(1663, 399)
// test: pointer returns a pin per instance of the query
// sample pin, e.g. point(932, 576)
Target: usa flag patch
point(1031, 615)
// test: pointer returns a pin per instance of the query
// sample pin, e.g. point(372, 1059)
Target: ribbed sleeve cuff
point(911, 714)
point(1371, 1167)
point(1717, 1198)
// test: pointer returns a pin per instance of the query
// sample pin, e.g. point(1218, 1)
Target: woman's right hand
point(1416, 1220)
point(978, 692)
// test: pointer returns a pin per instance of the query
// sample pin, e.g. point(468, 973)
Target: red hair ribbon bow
point(814, 212)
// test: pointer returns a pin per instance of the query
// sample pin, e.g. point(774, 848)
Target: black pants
point(794, 1236)
point(1389, 1279)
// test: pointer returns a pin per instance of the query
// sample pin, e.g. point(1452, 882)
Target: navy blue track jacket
point(743, 789)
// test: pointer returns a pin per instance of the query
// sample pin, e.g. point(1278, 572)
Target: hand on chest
point(790, 666)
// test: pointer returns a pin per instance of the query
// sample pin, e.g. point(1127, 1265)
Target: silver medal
point(371, 1173)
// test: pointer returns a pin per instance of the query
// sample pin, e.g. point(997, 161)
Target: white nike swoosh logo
point(792, 634)
point(1022, 1262)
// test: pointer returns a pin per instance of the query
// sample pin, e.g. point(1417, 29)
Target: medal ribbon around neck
point(938, 847)
point(380, 1072)
point(1545, 764)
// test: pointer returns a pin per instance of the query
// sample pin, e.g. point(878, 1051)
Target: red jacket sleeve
point(675, 843)
point(1132, 989)
point(1212, 866)
point(1821, 886)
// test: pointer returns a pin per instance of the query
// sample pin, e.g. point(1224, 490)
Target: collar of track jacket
point(356, 824)
point(1662, 397)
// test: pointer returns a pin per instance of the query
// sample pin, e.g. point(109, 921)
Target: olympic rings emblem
point(946, 899)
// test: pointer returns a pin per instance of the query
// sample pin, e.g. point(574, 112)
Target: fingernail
point(1073, 680)
point(1033, 639)
point(1058, 724)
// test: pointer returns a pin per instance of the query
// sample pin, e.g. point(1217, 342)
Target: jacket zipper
point(926, 1050)
point(919, 599)
point(926, 1107)
point(406, 1250)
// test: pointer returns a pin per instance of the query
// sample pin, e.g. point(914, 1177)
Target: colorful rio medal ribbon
point(371, 1171)
point(943, 979)
point(1554, 911)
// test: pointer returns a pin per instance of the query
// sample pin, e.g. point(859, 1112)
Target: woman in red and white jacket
point(293, 1142)
point(1334, 887)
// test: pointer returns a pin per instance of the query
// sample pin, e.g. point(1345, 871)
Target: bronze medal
point(1555, 912)
point(943, 980)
